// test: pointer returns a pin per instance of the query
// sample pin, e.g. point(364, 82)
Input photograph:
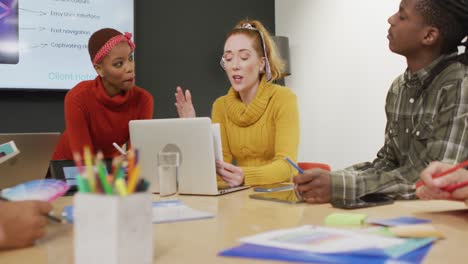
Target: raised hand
point(184, 103)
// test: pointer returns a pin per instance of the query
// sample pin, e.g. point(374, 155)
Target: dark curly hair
point(451, 18)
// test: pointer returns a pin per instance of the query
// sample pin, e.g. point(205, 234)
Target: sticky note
point(345, 219)
point(404, 220)
point(382, 231)
point(416, 231)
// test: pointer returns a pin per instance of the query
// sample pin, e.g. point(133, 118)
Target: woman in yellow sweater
point(259, 120)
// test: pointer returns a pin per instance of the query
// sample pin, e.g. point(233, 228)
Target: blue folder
point(270, 253)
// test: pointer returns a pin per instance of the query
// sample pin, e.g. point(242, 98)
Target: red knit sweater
point(93, 118)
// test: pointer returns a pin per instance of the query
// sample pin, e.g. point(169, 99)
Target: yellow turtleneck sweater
point(259, 136)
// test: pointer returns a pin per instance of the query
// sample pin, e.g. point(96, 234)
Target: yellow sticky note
point(416, 231)
point(345, 219)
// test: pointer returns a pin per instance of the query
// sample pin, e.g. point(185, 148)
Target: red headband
point(111, 43)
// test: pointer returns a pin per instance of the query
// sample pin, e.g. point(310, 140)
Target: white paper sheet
point(322, 240)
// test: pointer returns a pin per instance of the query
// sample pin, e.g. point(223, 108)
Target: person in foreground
point(433, 188)
point(22, 223)
point(259, 120)
point(97, 111)
point(426, 107)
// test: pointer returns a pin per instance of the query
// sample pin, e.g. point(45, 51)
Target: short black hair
point(450, 17)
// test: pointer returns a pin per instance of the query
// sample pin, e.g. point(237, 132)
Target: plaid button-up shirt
point(423, 125)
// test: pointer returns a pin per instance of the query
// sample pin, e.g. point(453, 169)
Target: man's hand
point(314, 185)
point(432, 188)
point(21, 223)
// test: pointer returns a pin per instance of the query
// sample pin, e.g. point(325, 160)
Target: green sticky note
point(382, 231)
point(345, 219)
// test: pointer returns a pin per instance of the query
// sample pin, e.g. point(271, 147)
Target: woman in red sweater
point(97, 111)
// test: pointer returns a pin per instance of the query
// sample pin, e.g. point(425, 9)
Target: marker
point(137, 156)
point(89, 168)
point(120, 173)
point(82, 183)
point(50, 215)
point(78, 163)
point(120, 186)
point(142, 185)
point(295, 165)
point(451, 187)
point(103, 174)
point(131, 160)
point(116, 164)
point(133, 179)
point(116, 146)
point(298, 194)
point(81, 179)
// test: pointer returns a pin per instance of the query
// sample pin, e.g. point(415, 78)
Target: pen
point(455, 186)
point(452, 187)
point(298, 194)
point(119, 148)
point(294, 165)
point(81, 178)
point(78, 163)
point(50, 215)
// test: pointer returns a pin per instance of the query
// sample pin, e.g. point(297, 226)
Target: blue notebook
point(270, 253)
point(404, 220)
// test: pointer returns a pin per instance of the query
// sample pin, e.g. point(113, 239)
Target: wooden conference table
point(237, 216)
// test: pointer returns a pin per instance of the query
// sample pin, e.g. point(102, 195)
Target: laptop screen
point(67, 171)
point(70, 174)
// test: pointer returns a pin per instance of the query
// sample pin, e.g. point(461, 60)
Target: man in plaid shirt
point(426, 107)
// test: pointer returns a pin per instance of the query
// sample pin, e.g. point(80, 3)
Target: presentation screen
point(44, 43)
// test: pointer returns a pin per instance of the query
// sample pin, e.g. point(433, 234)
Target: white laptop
point(193, 139)
point(36, 151)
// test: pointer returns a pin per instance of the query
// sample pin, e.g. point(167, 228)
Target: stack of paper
point(329, 245)
point(176, 210)
point(163, 212)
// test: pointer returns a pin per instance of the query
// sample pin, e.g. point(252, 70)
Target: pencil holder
point(113, 229)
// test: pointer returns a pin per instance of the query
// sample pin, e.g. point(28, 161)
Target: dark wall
point(24, 111)
point(179, 42)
